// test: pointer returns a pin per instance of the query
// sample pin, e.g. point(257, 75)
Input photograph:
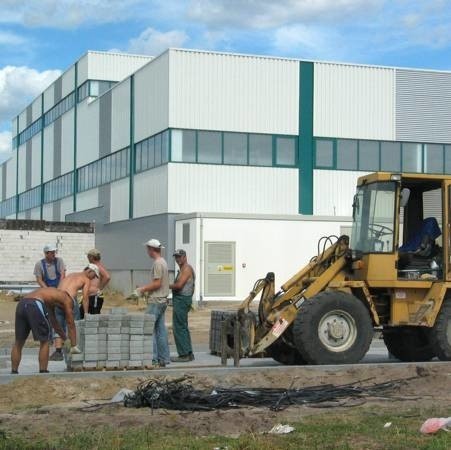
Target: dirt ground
point(29, 404)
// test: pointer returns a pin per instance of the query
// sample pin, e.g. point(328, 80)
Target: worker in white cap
point(157, 291)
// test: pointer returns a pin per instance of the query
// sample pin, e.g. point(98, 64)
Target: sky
point(40, 39)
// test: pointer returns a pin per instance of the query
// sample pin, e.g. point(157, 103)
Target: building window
point(369, 155)
point(209, 147)
point(260, 150)
point(346, 154)
point(390, 156)
point(185, 233)
point(285, 151)
point(235, 148)
point(411, 157)
point(165, 147)
point(324, 153)
point(58, 188)
point(433, 158)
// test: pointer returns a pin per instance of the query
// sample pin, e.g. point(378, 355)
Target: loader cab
point(391, 214)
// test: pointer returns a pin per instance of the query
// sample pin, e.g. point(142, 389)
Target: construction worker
point(182, 299)
point(36, 313)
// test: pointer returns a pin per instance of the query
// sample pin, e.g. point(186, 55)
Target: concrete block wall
point(22, 242)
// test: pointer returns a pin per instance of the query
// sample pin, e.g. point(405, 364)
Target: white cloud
point(153, 42)
point(19, 85)
point(7, 38)
point(69, 13)
point(261, 14)
point(5, 145)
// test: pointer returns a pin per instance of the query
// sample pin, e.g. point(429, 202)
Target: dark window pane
point(285, 151)
point(433, 158)
point(165, 147)
point(235, 148)
point(346, 154)
point(189, 146)
point(324, 153)
point(157, 149)
point(369, 155)
point(150, 153)
point(411, 157)
point(390, 156)
point(448, 159)
point(260, 150)
point(209, 147)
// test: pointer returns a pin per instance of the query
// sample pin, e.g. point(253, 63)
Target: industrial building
point(245, 161)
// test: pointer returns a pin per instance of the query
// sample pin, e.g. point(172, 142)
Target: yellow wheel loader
point(393, 275)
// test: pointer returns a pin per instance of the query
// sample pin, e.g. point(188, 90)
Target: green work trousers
point(181, 304)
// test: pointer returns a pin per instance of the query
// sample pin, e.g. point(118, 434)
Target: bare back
point(73, 282)
point(52, 297)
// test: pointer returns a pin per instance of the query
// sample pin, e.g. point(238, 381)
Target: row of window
point(8, 207)
point(152, 152)
point(91, 88)
point(371, 156)
point(59, 187)
point(106, 170)
point(215, 147)
point(94, 88)
point(30, 199)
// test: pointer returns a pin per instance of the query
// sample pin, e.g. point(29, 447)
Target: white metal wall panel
point(22, 120)
point(21, 215)
point(11, 170)
point(152, 98)
point(68, 81)
point(87, 132)
point(67, 142)
point(234, 189)
point(47, 212)
point(113, 66)
point(353, 101)
point(36, 160)
point(333, 191)
point(150, 192)
point(82, 69)
point(35, 213)
point(295, 241)
point(120, 116)
point(49, 97)
point(1, 181)
point(48, 153)
point(36, 108)
point(22, 170)
point(88, 199)
point(213, 91)
point(67, 207)
point(14, 127)
point(119, 200)
point(423, 106)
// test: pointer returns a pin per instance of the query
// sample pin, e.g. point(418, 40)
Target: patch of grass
point(350, 429)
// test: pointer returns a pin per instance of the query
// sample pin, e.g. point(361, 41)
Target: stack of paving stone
point(113, 341)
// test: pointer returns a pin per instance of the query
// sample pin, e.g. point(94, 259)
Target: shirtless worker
point(36, 313)
point(72, 283)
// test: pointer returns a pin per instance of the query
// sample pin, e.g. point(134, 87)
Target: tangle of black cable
point(179, 394)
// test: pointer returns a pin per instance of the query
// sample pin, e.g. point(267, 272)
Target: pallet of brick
point(113, 341)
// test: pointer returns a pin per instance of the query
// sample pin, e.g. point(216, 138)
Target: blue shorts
point(32, 315)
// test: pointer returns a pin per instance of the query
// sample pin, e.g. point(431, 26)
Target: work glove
point(75, 350)
point(135, 295)
point(67, 345)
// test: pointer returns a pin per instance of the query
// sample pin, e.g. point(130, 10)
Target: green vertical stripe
point(305, 138)
point(132, 145)
point(17, 171)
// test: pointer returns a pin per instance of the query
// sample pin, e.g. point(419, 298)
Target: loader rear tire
point(283, 353)
point(333, 327)
point(441, 332)
point(409, 343)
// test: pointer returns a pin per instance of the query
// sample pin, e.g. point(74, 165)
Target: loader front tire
point(284, 353)
point(441, 332)
point(333, 327)
point(409, 343)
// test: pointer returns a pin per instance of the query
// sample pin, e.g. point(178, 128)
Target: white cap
point(94, 268)
point(49, 248)
point(154, 243)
